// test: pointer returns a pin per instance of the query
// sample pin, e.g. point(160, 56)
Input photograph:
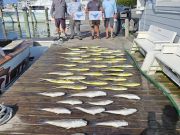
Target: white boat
point(14, 59)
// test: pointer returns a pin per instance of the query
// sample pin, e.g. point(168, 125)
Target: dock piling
point(26, 22)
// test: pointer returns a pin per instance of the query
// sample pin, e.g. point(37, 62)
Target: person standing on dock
point(94, 5)
point(110, 13)
point(75, 6)
point(58, 11)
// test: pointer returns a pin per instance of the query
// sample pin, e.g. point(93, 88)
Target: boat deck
point(29, 118)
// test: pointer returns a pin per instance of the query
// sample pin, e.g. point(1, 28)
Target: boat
point(14, 59)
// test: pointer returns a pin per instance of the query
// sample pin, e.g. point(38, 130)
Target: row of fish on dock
point(109, 75)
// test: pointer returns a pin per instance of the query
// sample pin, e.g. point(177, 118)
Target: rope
point(155, 83)
point(5, 114)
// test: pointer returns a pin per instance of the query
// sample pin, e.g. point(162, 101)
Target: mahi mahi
point(67, 65)
point(74, 77)
point(81, 61)
point(60, 81)
point(128, 96)
point(121, 74)
point(114, 88)
point(71, 101)
point(57, 110)
point(78, 69)
point(98, 66)
point(61, 73)
point(128, 84)
point(123, 66)
point(68, 123)
point(52, 94)
point(96, 83)
point(90, 94)
point(73, 87)
point(101, 102)
point(114, 79)
point(114, 69)
point(114, 123)
point(93, 74)
point(92, 110)
point(125, 111)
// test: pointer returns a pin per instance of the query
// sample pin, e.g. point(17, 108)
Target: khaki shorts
point(94, 22)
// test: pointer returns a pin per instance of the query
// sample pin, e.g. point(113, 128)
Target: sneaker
point(92, 37)
point(79, 37)
point(71, 37)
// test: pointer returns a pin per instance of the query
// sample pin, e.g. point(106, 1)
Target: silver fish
point(92, 110)
point(124, 111)
point(52, 94)
point(74, 77)
point(128, 96)
point(102, 102)
point(61, 73)
point(114, 123)
point(68, 123)
point(90, 94)
point(57, 110)
point(71, 101)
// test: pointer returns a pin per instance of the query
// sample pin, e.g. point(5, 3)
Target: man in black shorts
point(58, 10)
point(94, 5)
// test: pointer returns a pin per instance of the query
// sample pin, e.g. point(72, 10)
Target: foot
point(107, 37)
point(71, 37)
point(92, 37)
point(98, 37)
point(79, 37)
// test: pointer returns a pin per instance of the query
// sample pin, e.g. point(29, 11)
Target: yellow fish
point(73, 87)
point(66, 65)
point(98, 66)
point(108, 57)
point(58, 81)
point(95, 59)
point(97, 83)
point(114, 88)
point(72, 53)
point(83, 47)
point(85, 56)
point(128, 84)
point(78, 69)
point(73, 58)
point(122, 66)
point(93, 73)
point(117, 59)
point(114, 79)
point(74, 77)
point(61, 73)
point(81, 61)
point(121, 74)
point(74, 49)
point(114, 69)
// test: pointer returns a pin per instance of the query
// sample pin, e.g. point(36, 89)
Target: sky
point(9, 1)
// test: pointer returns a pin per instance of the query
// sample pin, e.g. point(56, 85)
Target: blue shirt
point(109, 7)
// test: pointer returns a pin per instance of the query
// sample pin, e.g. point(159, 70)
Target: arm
point(52, 9)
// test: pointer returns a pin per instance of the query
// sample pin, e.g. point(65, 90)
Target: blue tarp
point(9, 1)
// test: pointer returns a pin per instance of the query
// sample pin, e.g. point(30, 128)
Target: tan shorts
point(94, 22)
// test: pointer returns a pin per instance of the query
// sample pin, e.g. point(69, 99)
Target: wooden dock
point(29, 118)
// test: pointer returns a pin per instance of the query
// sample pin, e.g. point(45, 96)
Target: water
point(39, 30)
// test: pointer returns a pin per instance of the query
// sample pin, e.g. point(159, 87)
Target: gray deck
point(29, 118)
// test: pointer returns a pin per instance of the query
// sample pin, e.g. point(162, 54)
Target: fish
point(124, 111)
point(72, 58)
point(60, 81)
point(114, 123)
point(128, 96)
point(128, 84)
point(93, 74)
point(95, 47)
point(92, 110)
point(121, 74)
point(109, 61)
point(117, 59)
point(74, 49)
point(114, 79)
point(101, 102)
point(68, 123)
point(96, 54)
point(96, 83)
point(90, 94)
point(83, 47)
point(72, 53)
point(81, 61)
point(73, 87)
point(65, 73)
point(67, 65)
point(114, 69)
point(57, 110)
point(74, 77)
point(80, 51)
point(123, 66)
point(52, 94)
point(78, 69)
point(71, 101)
point(114, 88)
point(118, 54)
point(98, 66)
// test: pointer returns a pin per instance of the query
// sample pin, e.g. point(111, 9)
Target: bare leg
point(107, 32)
point(97, 30)
point(111, 32)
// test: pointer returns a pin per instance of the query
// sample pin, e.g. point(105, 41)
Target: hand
point(115, 16)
